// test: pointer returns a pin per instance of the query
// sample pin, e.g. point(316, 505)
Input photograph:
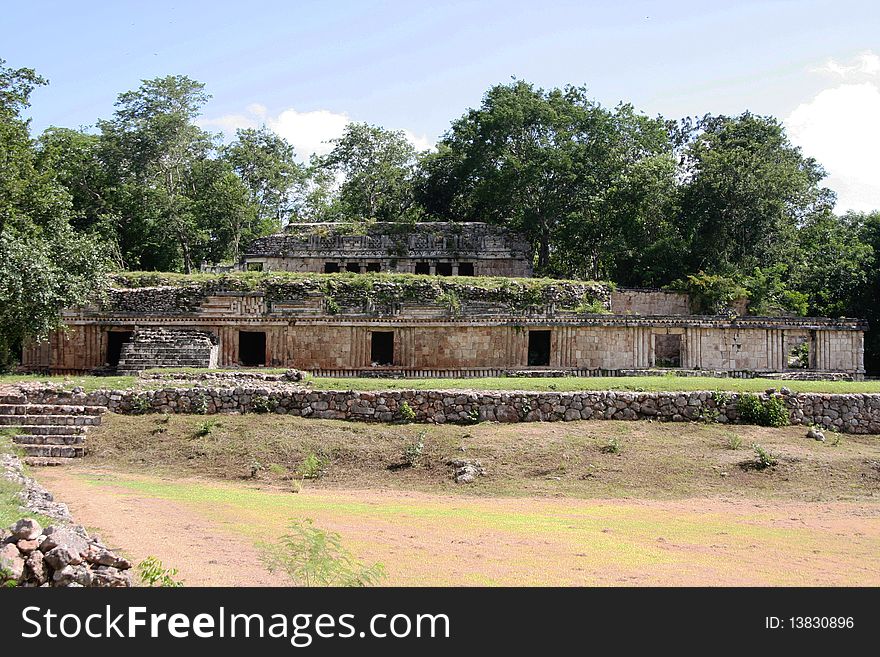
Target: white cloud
point(864, 64)
point(310, 133)
point(840, 128)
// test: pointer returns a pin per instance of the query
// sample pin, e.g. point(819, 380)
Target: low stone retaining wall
point(851, 413)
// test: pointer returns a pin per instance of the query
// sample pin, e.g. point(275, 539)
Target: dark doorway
point(331, 267)
point(353, 267)
point(667, 350)
point(251, 348)
point(539, 348)
point(466, 269)
point(115, 340)
point(444, 269)
point(374, 266)
point(382, 347)
point(423, 268)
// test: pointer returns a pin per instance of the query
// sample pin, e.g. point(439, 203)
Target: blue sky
point(305, 68)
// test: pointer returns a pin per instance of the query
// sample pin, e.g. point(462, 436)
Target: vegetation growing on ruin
point(379, 289)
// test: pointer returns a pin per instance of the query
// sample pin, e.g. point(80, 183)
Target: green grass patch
point(87, 383)
point(574, 384)
point(10, 503)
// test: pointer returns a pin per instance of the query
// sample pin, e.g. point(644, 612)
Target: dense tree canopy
point(559, 167)
point(44, 264)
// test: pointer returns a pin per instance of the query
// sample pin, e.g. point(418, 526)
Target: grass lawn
point(88, 383)
point(571, 384)
point(560, 384)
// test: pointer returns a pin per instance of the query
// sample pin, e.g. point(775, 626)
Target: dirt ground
point(209, 530)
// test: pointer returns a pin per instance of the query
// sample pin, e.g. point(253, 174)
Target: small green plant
point(312, 467)
point(255, 468)
point(413, 451)
point(613, 446)
point(799, 356)
point(276, 469)
point(591, 307)
point(473, 417)
point(720, 398)
point(766, 412)
point(199, 403)
point(205, 428)
point(6, 579)
point(310, 556)
point(140, 404)
point(709, 415)
point(734, 442)
point(153, 573)
point(262, 404)
point(452, 302)
point(763, 458)
point(835, 441)
point(407, 414)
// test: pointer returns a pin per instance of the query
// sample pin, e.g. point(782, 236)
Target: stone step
point(48, 430)
point(169, 357)
point(53, 420)
point(42, 461)
point(49, 440)
point(54, 451)
point(13, 399)
point(50, 409)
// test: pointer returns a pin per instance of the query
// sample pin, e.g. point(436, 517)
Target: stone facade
point(633, 301)
point(385, 327)
point(442, 248)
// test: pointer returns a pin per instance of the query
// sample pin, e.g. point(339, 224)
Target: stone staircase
point(160, 347)
point(49, 434)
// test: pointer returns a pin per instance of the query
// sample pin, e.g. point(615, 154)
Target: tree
point(585, 183)
point(44, 265)
point(154, 143)
point(267, 166)
point(746, 191)
point(376, 167)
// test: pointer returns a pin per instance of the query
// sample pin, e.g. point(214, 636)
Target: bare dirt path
point(208, 530)
point(205, 552)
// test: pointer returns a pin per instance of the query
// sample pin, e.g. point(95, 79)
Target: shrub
point(153, 573)
point(310, 556)
point(262, 404)
point(205, 428)
point(734, 442)
point(413, 451)
point(199, 403)
point(312, 467)
point(613, 446)
point(763, 458)
point(407, 414)
point(765, 412)
point(140, 404)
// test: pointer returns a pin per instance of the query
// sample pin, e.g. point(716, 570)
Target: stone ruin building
point(442, 249)
point(338, 303)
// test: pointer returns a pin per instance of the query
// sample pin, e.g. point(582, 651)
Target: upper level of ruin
point(441, 248)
